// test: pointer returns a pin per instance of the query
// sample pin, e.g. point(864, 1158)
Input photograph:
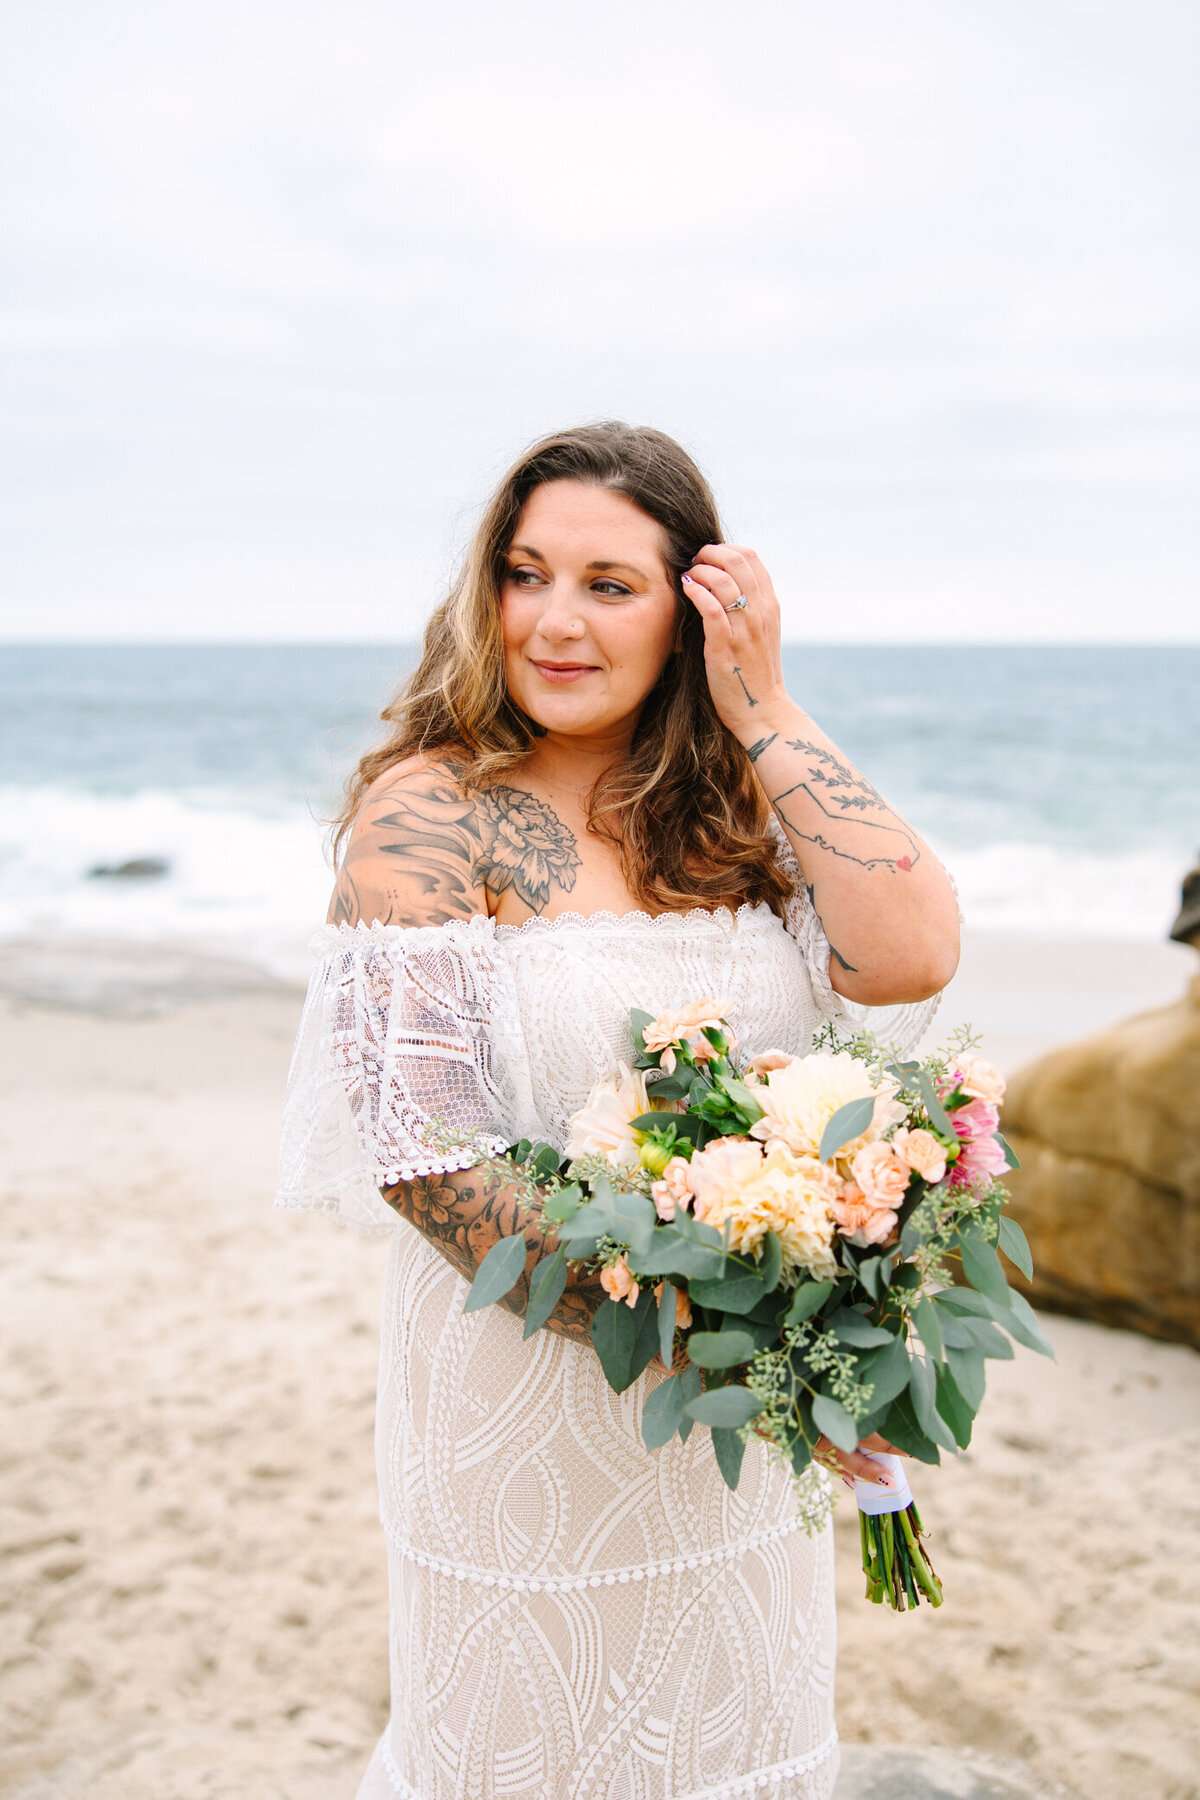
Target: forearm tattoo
point(422, 851)
point(864, 829)
point(463, 1213)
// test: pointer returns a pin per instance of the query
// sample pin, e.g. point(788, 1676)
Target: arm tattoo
point(423, 852)
point(833, 950)
point(756, 750)
point(868, 833)
point(750, 700)
point(463, 1213)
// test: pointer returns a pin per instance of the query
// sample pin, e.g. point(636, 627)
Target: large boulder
point(1108, 1134)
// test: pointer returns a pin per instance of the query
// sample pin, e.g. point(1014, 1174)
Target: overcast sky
point(287, 285)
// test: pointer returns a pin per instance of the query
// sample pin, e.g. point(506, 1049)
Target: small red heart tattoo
point(904, 862)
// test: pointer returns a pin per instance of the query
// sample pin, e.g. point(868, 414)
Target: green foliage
point(720, 1349)
point(808, 1299)
point(546, 1290)
point(729, 1447)
point(662, 1415)
point(1015, 1246)
point(831, 1417)
point(847, 1123)
point(724, 1406)
point(498, 1273)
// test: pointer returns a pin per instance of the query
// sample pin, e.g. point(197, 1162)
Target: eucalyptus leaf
point(1020, 1321)
point(645, 1343)
point(929, 1327)
point(771, 1266)
point(671, 1087)
point(982, 1266)
point(901, 1428)
point(498, 1273)
point(614, 1333)
point(966, 1300)
point(922, 1387)
point(831, 1417)
point(666, 1322)
point(886, 1370)
point(729, 1448)
point(662, 1414)
point(585, 1222)
point(731, 1293)
point(953, 1408)
point(727, 1407)
point(1015, 1246)
point(809, 1298)
point(851, 1328)
point(1010, 1155)
point(563, 1205)
point(720, 1349)
point(939, 1118)
point(545, 1290)
point(847, 1123)
point(970, 1379)
point(638, 1021)
point(689, 1390)
point(545, 1161)
point(985, 1336)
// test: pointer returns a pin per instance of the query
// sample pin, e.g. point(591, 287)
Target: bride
point(596, 794)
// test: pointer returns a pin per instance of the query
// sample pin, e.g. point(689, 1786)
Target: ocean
point(1061, 786)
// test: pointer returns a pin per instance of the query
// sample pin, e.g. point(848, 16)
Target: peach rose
point(762, 1066)
point(686, 1025)
point(981, 1079)
point(619, 1284)
point(673, 1190)
point(922, 1152)
point(882, 1176)
point(861, 1220)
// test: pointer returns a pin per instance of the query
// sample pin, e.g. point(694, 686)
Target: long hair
point(683, 806)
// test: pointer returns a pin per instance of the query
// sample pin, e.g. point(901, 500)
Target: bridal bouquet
point(810, 1244)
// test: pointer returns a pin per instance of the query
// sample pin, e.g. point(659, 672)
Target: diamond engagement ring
point(738, 605)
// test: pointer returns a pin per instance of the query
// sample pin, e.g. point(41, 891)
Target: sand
point(194, 1593)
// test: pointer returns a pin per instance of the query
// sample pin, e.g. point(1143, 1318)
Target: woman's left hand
point(741, 649)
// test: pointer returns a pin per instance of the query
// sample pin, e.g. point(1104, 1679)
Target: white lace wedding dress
point(572, 1617)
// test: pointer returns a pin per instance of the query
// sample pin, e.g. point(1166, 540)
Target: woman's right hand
point(857, 1464)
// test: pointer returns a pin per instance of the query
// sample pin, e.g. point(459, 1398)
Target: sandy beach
point(194, 1592)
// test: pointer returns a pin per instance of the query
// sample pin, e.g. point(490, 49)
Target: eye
point(610, 590)
point(524, 577)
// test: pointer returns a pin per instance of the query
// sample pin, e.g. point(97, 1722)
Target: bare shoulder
point(413, 853)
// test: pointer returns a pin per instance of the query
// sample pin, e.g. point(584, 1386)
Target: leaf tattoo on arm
point(864, 829)
point(462, 1213)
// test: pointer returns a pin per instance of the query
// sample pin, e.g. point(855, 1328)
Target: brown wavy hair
point(683, 805)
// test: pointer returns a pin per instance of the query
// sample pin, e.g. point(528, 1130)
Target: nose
point(560, 618)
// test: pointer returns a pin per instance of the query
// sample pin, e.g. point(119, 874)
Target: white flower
point(602, 1126)
point(736, 1185)
point(799, 1101)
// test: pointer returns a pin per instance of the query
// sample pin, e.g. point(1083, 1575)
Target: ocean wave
point(254, 880)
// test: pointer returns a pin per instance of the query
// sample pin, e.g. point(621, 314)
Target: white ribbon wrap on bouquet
point(873, 1499)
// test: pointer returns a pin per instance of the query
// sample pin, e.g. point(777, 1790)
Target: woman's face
point(588, 609)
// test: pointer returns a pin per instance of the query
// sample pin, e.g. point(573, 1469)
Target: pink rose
point(980, 1157)
point(881, 1174)
point(619, 1284)
point(978, 1119)
point(922, 1152)
point(673, 1190)
point(860, 1220)
point(981, 1079)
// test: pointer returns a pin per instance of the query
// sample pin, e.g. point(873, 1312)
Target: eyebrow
point(599, 568)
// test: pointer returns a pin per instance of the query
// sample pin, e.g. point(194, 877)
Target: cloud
point(289, 286)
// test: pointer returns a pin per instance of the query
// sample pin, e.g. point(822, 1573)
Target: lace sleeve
point(407, 1062)
point(902, 1026)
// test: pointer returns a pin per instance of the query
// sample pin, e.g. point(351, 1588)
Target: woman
point(596, 794)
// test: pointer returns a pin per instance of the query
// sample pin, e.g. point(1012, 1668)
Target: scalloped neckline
point(718, 915)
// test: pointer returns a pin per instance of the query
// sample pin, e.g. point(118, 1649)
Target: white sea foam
point(255, 882)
